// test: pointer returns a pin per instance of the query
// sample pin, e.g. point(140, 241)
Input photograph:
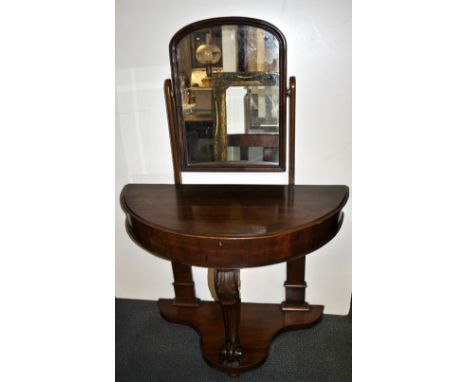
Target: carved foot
point(231, 354)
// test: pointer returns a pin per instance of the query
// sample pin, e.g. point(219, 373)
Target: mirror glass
point(228, 77)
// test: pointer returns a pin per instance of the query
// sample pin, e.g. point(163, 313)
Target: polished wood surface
point(184, 287)
point(232, 226)
point(259, 324)
point(295, 286)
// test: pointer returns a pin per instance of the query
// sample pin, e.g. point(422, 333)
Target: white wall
point(319, 55)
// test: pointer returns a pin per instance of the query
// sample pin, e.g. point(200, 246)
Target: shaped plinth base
point(259, 323)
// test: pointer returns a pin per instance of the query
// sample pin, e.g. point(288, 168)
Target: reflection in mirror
point(229, 94)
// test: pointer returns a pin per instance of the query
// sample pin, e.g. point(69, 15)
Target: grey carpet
point(150, 349)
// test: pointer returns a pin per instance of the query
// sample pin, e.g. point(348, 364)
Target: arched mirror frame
point(175, 117)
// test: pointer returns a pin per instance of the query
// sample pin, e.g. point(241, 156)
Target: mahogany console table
point(229, 227)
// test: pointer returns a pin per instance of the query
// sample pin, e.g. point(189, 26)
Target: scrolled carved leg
point(227, 284)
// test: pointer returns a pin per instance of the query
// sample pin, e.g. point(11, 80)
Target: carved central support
point(227, 284)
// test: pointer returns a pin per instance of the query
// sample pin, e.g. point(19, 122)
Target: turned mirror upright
point(227, 111)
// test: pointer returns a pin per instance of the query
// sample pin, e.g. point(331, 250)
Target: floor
point(150, 349)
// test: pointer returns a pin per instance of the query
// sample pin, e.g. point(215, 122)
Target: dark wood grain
point(259, 324)
point(295, 285)
point(232, 226)
point(184, 287)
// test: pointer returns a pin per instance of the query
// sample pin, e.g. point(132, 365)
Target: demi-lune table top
point(232, 226)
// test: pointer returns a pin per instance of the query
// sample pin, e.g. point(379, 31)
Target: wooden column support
point(295, 286)
point(227, 283)
point(184, 286)
point(295, 280)
point(171, 118)
point(292, 130)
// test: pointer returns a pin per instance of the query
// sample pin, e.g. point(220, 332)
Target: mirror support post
point(184, 286)
point(171, 121)
point(295, 269)
point(292, 129)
